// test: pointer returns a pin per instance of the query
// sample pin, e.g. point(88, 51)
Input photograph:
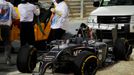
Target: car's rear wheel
point(122, 50)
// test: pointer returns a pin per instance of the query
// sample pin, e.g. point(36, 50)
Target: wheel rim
point(89, 66)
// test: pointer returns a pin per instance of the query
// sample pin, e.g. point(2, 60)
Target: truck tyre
point(26, 59)
point(86, 63)
point(122, 50)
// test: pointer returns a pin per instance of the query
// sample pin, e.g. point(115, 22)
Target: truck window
point(116, 2)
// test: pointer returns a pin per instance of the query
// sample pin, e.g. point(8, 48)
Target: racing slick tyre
point(122, 50)
point(26, 59)
point(86, 63)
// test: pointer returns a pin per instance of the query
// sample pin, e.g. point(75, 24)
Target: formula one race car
point(77, 54)
point(81, 55)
